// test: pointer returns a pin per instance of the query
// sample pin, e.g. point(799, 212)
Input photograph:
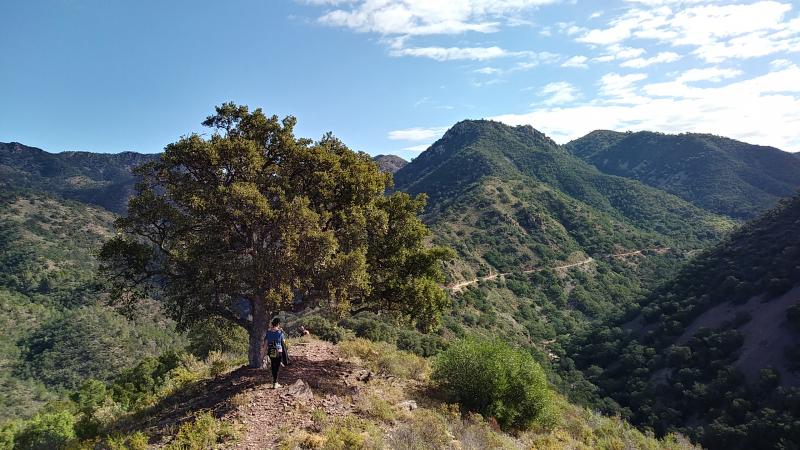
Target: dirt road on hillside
point(461, 285)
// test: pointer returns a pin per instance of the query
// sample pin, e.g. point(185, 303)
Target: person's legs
point(275, 364)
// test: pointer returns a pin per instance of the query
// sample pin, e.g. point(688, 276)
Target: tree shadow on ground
point(218, 395)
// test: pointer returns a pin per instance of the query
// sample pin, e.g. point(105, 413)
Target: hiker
point(276, 349)
point(304, 331)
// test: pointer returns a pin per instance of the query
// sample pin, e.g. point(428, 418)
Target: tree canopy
point(253, 221)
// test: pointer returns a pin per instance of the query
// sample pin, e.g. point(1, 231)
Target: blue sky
point(391, 76)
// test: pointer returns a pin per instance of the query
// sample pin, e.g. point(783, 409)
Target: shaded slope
point(390, 163)
point(715, 173)
point(96, 178)
point(714, 352)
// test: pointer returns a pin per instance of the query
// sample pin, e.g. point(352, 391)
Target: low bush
point(422, 344)
point(323, 328)
point(204, 433)
point(46, 431)
point(494, 379)
point(372, 329)
point(384, 357)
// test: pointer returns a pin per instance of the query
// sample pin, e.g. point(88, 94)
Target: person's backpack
point(272, 349)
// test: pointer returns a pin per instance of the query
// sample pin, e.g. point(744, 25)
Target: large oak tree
point(252, 221)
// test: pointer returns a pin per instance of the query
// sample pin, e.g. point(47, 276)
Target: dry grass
point(382, 357)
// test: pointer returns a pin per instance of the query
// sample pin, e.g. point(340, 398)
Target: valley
point(550, 253)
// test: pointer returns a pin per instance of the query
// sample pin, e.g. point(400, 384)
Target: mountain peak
point(390, 163)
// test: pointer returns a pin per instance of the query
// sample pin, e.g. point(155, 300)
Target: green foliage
point(490, 377)
point(203, 433)
point(216, 335)
point(697, 386)
point(371, 328)
point(88, 342)
point(323, 328)
point(46, 431)
point(56, 332)
point(715, 173)
point(254, 214)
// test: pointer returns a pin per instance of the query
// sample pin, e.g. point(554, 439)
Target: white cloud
point(621, 88)
point(428, 17)
point(663, 57)
point(711, 74)
point(780, 63)
point(452, 53)
point(488, 70)
point(417, 134)
point(764, 109)
point(558, 92)
point(717, 32)
point(417, 148)
point(578, 61)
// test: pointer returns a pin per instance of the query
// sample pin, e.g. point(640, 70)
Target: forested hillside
point(509, 200)
point(587, 271)
point(718, 174)
point(56, 329)
point(714, 351)
point(95, 178)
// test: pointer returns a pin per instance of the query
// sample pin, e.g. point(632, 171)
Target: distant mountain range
point(526, 196)
point(390, 163)
point(619, 259)
point(96, 178)
point(721, 175)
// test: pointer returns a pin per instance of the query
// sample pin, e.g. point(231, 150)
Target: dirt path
point(316, 379)
point(461, 285)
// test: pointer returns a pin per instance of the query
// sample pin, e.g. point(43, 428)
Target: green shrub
point(421, 344)
point(217, 334)
point(323, 328)
point(46, 431)
point(205, 432)
point(372, 329)
point(384, 357)
point(494, 379)
point(7, 432)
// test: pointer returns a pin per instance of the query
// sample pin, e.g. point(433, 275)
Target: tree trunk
point(257, 348)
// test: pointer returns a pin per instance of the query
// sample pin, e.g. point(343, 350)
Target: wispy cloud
point(663, 57)
point(578, 61)
point(414, 17)
point(417, 134)
point(558, 93)
point(763, 109)
point(452, 53)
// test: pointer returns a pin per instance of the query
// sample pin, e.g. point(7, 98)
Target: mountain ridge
point(719, 174)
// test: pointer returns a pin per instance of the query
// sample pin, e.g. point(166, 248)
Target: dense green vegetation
point(508, 199)
point(254, 221)
point(619, 333)
point(722, 175)
point(712, 353)
point(494, 379)
point(99, 179)
point(56, 331)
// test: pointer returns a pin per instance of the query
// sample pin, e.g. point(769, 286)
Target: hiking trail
point(317, 378)
point(455, 288)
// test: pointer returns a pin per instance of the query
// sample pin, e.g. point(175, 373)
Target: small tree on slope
point(253, 221)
